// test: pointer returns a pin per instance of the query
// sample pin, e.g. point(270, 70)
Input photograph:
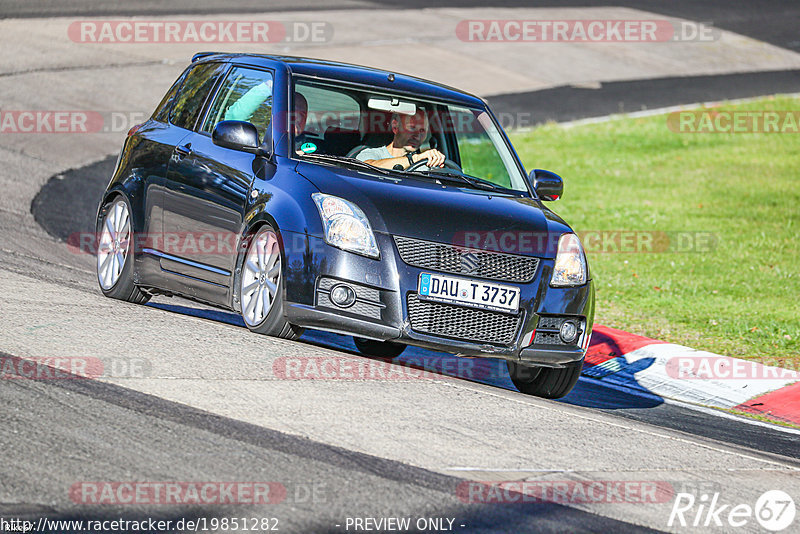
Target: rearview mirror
point(393, 105)
point(548, 185)
point(241, 135)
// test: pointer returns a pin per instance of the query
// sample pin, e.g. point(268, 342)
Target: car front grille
point(468, 324)
point(465, 261)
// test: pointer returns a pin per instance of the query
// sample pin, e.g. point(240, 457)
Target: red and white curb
point(676, 372)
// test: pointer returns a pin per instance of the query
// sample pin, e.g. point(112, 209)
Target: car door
point(147, 153)
point(209, 185)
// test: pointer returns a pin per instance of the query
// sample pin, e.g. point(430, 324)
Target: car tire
point(546, 382)
point(379, 349)
point(115, 253)
point(261, 287)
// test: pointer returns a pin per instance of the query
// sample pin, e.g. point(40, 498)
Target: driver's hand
point(434, 157)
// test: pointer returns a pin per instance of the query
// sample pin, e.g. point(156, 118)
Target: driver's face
point(410, 131)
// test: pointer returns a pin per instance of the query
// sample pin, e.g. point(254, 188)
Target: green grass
point(742, 297)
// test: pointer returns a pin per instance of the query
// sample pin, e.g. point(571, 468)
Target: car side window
point(245, 95)
point(189, 102)
point(477, 139)
point(161, 113)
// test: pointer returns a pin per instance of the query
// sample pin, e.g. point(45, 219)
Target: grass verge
point(736, 294)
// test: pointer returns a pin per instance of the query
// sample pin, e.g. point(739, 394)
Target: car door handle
point(183, 150)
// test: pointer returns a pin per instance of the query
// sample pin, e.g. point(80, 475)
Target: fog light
point(343, 296)
point(568, 332)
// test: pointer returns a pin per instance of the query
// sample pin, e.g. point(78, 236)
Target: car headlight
point(345, 225)
point(570, 267)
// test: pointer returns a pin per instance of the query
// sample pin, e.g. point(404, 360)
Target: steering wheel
point(448, 164)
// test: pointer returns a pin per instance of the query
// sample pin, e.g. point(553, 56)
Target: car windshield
point(338, 124)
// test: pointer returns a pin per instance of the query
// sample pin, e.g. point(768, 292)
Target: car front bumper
point(381, 311)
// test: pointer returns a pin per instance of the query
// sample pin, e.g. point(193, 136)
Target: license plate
point(473, 293)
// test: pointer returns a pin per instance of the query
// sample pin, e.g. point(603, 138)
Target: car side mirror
point(548, 185)
point(241, 135)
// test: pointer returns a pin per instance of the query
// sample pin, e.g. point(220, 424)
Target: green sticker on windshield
point(308, 148)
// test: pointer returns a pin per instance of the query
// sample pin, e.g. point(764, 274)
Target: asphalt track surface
point(324, 484)
point(57, 432)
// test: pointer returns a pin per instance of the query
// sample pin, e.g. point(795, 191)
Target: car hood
point(446, 213)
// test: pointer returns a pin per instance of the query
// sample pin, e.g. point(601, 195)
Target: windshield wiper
point(349, 161)
point(474, 181)
point(477, 183)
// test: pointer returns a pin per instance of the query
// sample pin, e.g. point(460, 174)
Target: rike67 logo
point(774, 511)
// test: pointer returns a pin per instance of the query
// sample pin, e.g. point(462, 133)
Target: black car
point(307, 193)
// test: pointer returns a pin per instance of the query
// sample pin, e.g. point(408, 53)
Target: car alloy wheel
point(261, 277)
point(113, 245)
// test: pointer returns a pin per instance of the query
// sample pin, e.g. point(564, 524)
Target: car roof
point(334, 70)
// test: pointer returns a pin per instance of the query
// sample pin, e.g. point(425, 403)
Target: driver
point(409, 133)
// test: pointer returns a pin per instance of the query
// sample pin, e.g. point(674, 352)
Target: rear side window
point(189, 102)
point(245, 95)
point(161, 113)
